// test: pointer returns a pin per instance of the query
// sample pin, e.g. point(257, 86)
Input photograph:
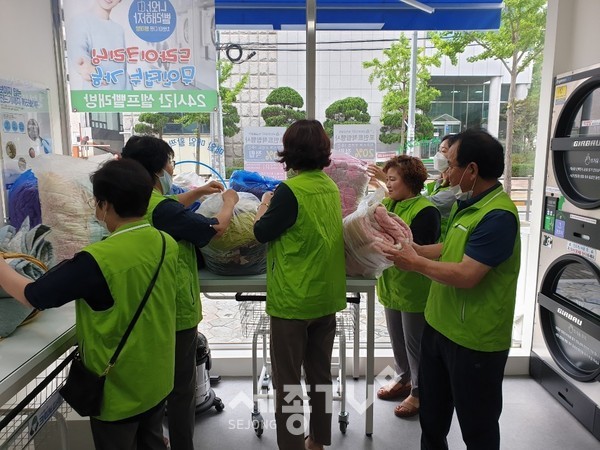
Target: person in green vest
point(438, 191)
point(190, 230)
point(470, 308)
point(403, 294)
point(107, 280)
point(306, 283)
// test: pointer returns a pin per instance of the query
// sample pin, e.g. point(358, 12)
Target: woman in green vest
point(108, 280)
point(168, 213)
point(404, 294)
point(438, 192)
point(306, 283)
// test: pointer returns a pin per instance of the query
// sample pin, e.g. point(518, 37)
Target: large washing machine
point(566, 345)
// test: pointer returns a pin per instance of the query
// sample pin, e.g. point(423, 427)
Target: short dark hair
point(449, 137)
point(483, 149)
point(125, 184)
point(306, 146)
point(411, 169)
point(151, 152)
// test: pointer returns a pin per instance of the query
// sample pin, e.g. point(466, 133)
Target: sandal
point(394, 390)
point(405, 410)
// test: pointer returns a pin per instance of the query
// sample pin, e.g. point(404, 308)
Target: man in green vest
point(471, 302)
point(108, 280)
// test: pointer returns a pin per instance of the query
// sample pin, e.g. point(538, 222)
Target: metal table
point(210, 283)
point(33, 347)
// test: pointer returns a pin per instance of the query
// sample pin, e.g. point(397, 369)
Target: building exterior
point(472, 94)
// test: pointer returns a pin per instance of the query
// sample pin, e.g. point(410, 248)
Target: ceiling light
point(419, 5)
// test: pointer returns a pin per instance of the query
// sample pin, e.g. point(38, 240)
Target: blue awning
point(359, 15)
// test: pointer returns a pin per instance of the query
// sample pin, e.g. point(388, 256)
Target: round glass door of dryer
point(575, 146)
point(569, 303)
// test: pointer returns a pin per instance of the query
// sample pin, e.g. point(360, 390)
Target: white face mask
point(440, 162)
point(102, 221)
point(166, 182)
point(457, 190)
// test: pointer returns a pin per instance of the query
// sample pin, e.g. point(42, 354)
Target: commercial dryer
point(566, 344)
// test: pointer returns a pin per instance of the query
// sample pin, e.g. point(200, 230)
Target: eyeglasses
point(92, 202)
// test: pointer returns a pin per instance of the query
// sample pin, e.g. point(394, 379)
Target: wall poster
point(26, 132)
point(141, 55)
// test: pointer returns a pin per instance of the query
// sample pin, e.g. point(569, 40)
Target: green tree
point(284, 107)
point(349, 110)
point(516, 44)
point(228, 96)
point(526, 115)
point(153, 123)
point(393, 74)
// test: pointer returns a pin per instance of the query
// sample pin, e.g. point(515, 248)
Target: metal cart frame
point(255, 322)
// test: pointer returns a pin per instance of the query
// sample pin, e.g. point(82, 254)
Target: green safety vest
point(144, 371)
point(306, 270)
point(432, 189)
point(189, 307)
point(397, 289)
point(479, 318)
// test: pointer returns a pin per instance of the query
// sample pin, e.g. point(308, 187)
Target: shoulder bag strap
point(112, 361)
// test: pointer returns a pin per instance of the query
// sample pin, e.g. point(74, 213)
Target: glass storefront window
point(475, 93)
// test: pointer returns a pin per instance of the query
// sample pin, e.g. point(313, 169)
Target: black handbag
point(84, 389)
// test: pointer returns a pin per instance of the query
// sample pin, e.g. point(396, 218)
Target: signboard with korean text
point(26, 131)
point(141, 55)
point(261, 145)
point(359, 141)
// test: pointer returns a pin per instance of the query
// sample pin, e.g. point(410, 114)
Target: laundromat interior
point(558, 362)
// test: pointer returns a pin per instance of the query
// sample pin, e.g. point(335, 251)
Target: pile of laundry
point(368, 232)
point(236, 252)
point(351, 177)
point(27, 241)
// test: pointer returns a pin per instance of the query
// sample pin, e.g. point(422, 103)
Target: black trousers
point(297, 343)
point(142, 432)
point(181, 402)
point(452, 376)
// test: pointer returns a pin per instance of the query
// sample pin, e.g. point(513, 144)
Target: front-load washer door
point(569, 314)
point(576, 146)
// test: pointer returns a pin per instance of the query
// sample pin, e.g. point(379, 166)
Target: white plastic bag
point(236, 252)
point(188, 180)
point(367, 232)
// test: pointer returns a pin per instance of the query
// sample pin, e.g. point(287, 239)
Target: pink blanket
point(367, 232)
point(351, 177)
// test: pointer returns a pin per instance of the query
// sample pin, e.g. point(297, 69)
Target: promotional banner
point(359, 141)
point(25, 132)
point(141, 55)
point(261, 145)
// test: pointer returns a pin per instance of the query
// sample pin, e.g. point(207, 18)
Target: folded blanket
point(368, 232)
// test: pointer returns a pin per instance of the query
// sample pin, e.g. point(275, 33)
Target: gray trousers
point(142, 432)
point(405, 330)
point(295, 343)
point(181, 402)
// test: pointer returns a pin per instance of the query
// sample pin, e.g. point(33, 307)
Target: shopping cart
point(255, 323)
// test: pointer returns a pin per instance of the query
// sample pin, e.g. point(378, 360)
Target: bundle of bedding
point(66, 198)
point(236, 252)
point(351, 177)
point(368, 232)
